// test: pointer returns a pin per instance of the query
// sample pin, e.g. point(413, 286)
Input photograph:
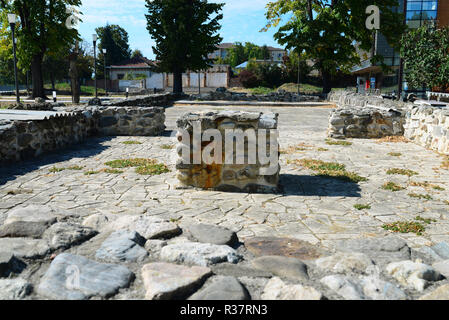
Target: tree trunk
point(177, 82)
point(74, 78)
point(327, 87)
point(52, 79)
point(38, 81)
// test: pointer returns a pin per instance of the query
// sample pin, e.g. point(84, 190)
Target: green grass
point(152, 169)
point(54, 170)
point(405, 227)
point(261, 90)
point(416, 226)
point(329, 169)
point(131, 142)
point(75, 168)
point(143, 166)
point(303, 88)
point(421, 196)
point(392, 187)
point(404, 172)
point(322, 149)
point(338, 142)
point(112, 171)
point(84, 89)
point(362, 206)
point(89, 173)
point(395, 154)
point(167, 146)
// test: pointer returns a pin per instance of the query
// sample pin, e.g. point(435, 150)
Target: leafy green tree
point(327, 30)
point(426, 57)
point(41, 28)
point(115, 40)
point(291, 62)
point(136, 54)
point(185, 32)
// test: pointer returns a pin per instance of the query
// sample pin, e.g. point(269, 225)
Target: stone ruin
point(233, 169)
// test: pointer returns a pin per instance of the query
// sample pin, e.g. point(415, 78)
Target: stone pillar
point(228, 151)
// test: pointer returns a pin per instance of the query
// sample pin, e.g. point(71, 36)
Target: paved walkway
point(312, 208)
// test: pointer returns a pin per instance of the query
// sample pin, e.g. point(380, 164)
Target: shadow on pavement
point(86, 149)
point(304, 185)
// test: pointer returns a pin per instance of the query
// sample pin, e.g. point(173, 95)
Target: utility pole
point(401, 63)
point(12, 23)
point(94, 38)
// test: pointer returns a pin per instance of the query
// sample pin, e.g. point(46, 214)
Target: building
point(418, 12)
point(276, 54)
point(139, 67)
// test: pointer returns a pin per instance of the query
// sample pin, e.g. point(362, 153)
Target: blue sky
point(241, 22)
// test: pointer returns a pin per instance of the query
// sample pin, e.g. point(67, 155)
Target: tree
point(56, 65)
point(426, 57)
point(115, 40)
point(136, 54)
point(327, 30)
point(185, 33)
point(42, 28)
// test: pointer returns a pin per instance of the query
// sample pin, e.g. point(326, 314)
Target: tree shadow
point(306, 185)
point(88, 148)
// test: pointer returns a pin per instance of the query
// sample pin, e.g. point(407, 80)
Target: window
point(420, 11)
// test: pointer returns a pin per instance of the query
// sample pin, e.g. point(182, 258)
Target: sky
point(242, 21)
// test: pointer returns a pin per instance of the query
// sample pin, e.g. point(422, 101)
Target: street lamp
point(94, 38)
point(105, 78)
point(12, 23)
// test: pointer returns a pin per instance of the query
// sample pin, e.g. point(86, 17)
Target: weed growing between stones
point(362, 206)
point(300, 147)
point(445, 164)
point(392, 186)
point(55, 170)
point(395, 154)
point(425, 220)
point(404, 172)
point(421, 196)
point(405, 227)
point(89, 173)
point(338, 142)
point(322, 149)
point(75, 168)
point(329, 169)
point(143, 166)
point(167, 146)
point(131, 142)
point(426, 185)
point(111, 171)
point(393, 139)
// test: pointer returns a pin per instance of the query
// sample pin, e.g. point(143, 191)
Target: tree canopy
point(115, 40)
point(41, 28)
point(185, 32)
point(426, 57)
point(240, 53)
point(327, 31)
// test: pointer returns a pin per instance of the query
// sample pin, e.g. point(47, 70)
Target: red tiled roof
point(135, 63)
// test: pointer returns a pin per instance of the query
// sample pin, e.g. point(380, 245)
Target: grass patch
point(300, 147)
point(112, 171)
point(261, 90)
point(445, 164)
point(152, 169)
point(425, 220)
point(143, 166)
point(75, 168)
point(54, 170)
point(338, 143)
point(167, 146)
point(329, 169)
point(322, 149)
point(409, 226)
point(405, 227)
point(395, 154)
point(426, 185)
point(421, 196)
point(393, 139)
point(362, 206)
point(392, 186)
point(404, 172)
point(131, 142)
point(90, 173)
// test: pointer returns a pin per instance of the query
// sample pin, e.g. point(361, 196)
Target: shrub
point(249, 79)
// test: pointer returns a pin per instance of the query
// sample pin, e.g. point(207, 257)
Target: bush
point(249, 79)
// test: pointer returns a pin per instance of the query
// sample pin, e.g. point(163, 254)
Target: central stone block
point(228, 151)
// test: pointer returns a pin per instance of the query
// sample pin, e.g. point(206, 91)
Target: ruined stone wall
point(280, 96)
point(221, 175)
point(429, 127)
point(154, 100)
point(21, 140)
point(362, 116)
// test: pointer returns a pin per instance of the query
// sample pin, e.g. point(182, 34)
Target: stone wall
point(362, 116)
point(222, 175)
point(21, 140)
point(429, 127)
point(154, 100)
point(280, 96)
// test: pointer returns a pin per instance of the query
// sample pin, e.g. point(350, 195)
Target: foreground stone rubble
point(124, 264)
